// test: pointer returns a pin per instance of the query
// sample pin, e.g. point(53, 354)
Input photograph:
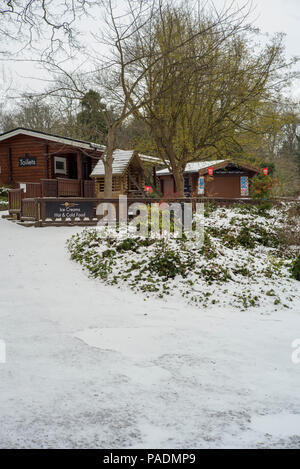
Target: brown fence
point(82, 211)
point(66, 188)
point(49, 187)
point(89, 189)
point(69, 188)
point(15, 197)
point(29, 210)
point(33, 190)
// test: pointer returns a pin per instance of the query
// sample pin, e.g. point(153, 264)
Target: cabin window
point(60, 165)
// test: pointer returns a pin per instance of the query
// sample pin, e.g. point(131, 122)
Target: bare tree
point(29, 22)
point(182, 70)
point(122, 77)
point(204, 95)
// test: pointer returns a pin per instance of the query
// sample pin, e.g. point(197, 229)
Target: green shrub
point(296, 268)
point(243, 249)
point(261, 186)
point(3, 193)
point(169, 263)
point(263, 208)
point(245, 238)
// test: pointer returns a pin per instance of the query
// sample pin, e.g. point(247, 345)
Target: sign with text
point(27, 162)
point(81, 209)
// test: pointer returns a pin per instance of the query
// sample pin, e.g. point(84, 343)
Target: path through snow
point(93, 366)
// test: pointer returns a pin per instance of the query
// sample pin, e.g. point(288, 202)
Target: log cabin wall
point(5, 164)
point(12, 149)
point(41, 153)
point(132, 181)
point(225, 185)
point(118, 186)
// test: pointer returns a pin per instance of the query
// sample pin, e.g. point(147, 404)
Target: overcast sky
point(269, 15)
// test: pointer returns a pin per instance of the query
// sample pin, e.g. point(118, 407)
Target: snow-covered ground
point(90, 365)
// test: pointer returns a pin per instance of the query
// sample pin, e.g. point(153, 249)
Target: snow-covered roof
point(193, 167)
point(53, 138)
point(121, 160)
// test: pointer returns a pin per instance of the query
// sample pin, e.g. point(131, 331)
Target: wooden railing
point(49, 187)
point(33, 189)
point(15, 197)
point(89, 189)
point(83, 211)
point(29, 209)
point(69, 187)
point(63, 187)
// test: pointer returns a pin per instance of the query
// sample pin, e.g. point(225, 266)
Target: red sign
point(265, 171)
point(148, 189)
point(210, 171)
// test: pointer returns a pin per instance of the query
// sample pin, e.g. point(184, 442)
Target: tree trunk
point(108, 176)
point(179, 182)
point(108, 161)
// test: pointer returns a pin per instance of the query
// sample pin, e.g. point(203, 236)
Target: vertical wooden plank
point(46, 158)
point(154, 177)
point(79, 165)
point(10, 175)
point(79, 171)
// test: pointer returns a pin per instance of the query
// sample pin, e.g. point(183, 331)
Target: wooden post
point(46, 162)
point(154, 176)
point(10, 176)
point(83, 174)
point(79, 170)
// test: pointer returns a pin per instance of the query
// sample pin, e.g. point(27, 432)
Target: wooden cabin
point(29, 157)
point(130, 173)
point(229, 180)
point(47, 165)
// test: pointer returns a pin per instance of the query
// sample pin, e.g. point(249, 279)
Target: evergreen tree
point(91, 119)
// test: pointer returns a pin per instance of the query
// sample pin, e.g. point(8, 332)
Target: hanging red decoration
point(265, 171)
point(210, 171)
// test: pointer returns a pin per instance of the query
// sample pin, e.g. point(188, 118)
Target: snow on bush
point(3, 198)
point(247, 259)
point(3, 192)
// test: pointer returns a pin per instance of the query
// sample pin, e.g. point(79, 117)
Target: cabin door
point(73, 167)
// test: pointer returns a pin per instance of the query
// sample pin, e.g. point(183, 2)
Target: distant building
point(229, 180)
point(131, 171)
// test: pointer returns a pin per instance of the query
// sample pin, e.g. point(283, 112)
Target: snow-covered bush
point(296, 268)
point(244, 257)
point(3, 198)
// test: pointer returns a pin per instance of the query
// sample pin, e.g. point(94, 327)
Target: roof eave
point(51, 138)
